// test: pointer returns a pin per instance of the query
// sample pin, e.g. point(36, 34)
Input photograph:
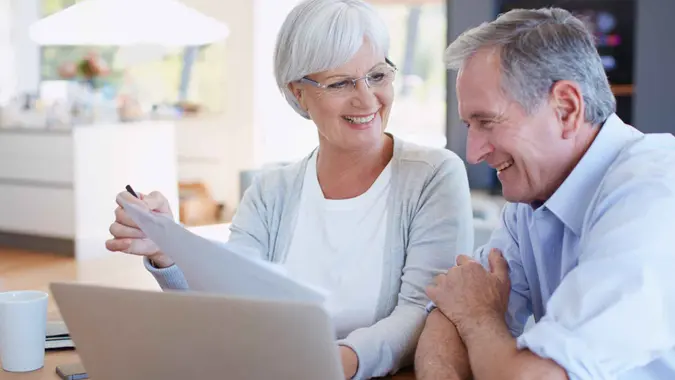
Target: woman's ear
point(299, 93)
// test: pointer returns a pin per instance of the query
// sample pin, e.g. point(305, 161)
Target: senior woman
point(367, 216)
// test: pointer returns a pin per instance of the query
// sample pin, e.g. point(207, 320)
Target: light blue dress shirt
point(595, 264)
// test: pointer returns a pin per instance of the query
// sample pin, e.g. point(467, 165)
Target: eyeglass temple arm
point(305, 79)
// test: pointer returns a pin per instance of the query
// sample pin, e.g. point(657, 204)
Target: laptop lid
point(140, 335)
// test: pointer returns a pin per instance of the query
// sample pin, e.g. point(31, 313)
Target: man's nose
point(477, 147)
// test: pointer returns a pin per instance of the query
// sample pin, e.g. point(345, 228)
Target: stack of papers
point(221, 268)
point(58, 336)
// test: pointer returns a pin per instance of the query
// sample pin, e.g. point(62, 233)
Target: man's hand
point(469, 292)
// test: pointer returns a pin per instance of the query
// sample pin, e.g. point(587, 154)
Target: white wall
point(7, 79)
point(213, 149)
point(19, 56)
point(257, 126)
point(26, 53)
point(281, 134)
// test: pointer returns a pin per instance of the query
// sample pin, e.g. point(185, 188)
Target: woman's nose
point(364, 95)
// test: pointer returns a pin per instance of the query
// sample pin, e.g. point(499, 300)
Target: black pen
point(131, 191)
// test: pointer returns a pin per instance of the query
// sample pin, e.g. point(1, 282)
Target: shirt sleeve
point(504, 239)
point(250, 229)
point(441, 228)
point(615, 311)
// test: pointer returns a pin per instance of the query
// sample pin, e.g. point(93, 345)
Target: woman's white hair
point(320, 35)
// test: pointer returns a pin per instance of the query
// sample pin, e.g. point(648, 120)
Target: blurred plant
point(91, 69)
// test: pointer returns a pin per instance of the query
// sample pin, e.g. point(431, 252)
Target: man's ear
point(568, 101)
point(299, 93)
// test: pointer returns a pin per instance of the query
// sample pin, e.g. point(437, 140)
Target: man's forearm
point(441, 354)
point(494, 354)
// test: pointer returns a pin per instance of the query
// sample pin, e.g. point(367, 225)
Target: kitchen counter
point(58, 186)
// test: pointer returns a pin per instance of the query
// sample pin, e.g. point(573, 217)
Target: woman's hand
point(350, 362)
point(128, 238)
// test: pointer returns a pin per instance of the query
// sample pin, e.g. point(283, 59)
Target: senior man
point(587, 240)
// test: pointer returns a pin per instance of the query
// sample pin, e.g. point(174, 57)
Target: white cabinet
point(36, 183)
point(34, 157)
point(61, 185)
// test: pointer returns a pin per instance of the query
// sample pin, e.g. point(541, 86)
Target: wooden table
point(48, 372)
point(37, 271)
point(65, 357)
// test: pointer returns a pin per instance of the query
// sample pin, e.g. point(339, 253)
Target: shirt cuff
point(549, 340)
point(370, 360)
point(430, 307)
point(167, 278)
point(359, 369)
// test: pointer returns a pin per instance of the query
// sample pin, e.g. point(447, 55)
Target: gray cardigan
point(430, 222)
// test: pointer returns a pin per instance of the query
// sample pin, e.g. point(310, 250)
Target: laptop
point(140, 335)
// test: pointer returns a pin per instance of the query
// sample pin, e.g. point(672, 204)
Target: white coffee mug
point(23, 321)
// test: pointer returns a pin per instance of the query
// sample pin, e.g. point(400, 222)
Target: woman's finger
point(123, 218)
point(121, 231)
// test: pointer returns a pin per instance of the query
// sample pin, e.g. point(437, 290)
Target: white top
point(430, 221)
point(339, 245)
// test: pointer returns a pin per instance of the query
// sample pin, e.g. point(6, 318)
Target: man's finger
point(438, 279)
point(463, 259)
point(498, 265)
point(432, 292)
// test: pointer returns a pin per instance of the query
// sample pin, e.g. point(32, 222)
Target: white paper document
point(214, 267)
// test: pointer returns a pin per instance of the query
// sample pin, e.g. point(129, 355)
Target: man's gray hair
point(538, 47)
point(320, 35)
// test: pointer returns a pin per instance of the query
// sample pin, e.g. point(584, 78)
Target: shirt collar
point(571, 200)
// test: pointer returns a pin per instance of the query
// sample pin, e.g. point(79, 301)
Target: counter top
point(68, 130)
point(36, 131)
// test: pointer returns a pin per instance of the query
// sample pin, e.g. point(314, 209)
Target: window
point(155, 77)
point(418, 40)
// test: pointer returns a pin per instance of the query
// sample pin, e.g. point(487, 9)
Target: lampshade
point(128, 22)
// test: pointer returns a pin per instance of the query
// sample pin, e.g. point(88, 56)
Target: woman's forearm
point(350, 361)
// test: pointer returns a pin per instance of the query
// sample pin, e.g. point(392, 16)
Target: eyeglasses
point(379, 77)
